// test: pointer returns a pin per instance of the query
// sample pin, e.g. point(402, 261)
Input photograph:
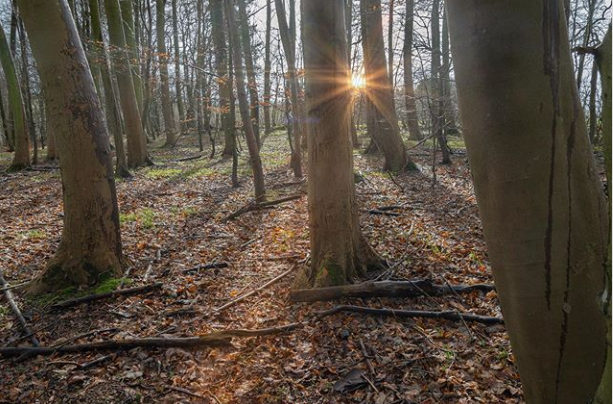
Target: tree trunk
point(178, 87)
point(243, 104)
point(541, 203)
point(603, 59)
point(290, 56)
point(132, 48)
point(169, 120)
point(390, 45)
point(21, 140)
point(221, 66)
point(113, 113)
point(409, 92)
point(437, 111)
point(339, 251)
point(137, 146)
point(254, 99)
point(383, 127)
point(267, 69)
point(90, 248)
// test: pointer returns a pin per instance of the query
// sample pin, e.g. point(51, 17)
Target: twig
point(99, 296)
point(199, 156)
point(218, 338)
point(251, 206)
point(206, 266)
point(22, 321)
point(188, 392)
point(365, 355)
point(254, 291)
point(447, 315)
point(389, 173)
point(381, 212)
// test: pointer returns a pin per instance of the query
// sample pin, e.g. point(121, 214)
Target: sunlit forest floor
point(171, 218)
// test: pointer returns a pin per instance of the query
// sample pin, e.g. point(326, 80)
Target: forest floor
point(171, 217)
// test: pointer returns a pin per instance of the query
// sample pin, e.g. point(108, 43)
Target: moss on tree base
point(64, 272)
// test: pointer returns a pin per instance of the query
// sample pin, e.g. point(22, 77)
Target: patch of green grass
point(34, 234)
point(456, 142)
point(146, 217)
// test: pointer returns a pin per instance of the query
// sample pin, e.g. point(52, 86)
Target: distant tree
point(169, 119)
point(540, 199)
point(137, 146)
point(288, 35)
point(220, 47)
point(90, 248)
point(409, 92)
point(339, 251)
point(384, 128)
point(437, 110)
point(267, 69)
point(243, 103)
point(21, 140)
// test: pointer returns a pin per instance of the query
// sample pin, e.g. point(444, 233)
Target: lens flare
point(358, 81)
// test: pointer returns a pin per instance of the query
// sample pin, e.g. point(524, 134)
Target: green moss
point(107, 285)
point(34, 234)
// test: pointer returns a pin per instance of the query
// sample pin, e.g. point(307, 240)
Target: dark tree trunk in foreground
point(21, 139)
point(409, 92)
point(243, 104)
point(90, 248)
point(542, 206)
point(383, 126)
point(288, 40)
point(339, 251)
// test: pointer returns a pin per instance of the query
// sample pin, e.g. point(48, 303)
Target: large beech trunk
point(540, 200)
point(90, 247)
point(243, 104)
point(339, 251)
point(21, 140)
point(384, 128)
point(137, 145)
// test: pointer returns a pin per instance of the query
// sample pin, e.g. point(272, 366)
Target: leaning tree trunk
point(21, 140)
point(90, 248)
point(169, 120)
point(243, 104)
point(339, 251)
point(409, 92)
point(288, 35)
point(540, 200)
point(137, 145)
point(220, 46)
point(384, 121)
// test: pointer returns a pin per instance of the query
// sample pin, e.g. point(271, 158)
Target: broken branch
point(11, 300)
point(382, 289)
point(99, 296)
point(447, 315)
point(262, 205)
point(219, 338)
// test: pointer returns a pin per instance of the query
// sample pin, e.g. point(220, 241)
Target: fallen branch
point(199, 156)
point(100, 296)
point(382, 289)
point(382, 212)
point(251, 206)
point(254, 291)
point(447, 315)
point(11, 300)
point(214, 339)
point(206, 266)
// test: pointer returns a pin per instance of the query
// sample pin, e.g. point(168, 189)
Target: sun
point(358, 81)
